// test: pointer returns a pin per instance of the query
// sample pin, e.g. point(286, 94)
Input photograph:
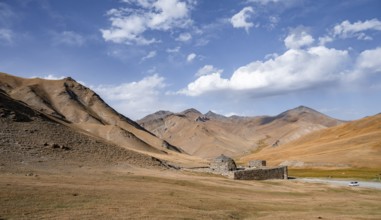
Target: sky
point(233, 57)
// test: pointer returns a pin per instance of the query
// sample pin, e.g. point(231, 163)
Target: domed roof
point(223, 158)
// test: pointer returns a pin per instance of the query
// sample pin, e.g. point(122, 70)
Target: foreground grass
point(177, 196)
point(356, 173)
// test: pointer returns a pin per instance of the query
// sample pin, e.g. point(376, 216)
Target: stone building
point(257, 169)
point(223, 164)
point(280, 172)
point(257, 163)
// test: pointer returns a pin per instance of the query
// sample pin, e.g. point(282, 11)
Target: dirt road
point(362, 184)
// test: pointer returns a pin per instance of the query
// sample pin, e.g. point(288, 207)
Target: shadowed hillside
point(32, 140)
point(81, 108)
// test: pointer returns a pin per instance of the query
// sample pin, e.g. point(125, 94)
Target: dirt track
point(363, 184)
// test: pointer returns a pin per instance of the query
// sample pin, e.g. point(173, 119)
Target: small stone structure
point(223, 164)
point(257, 169)
point(257, 163)
point(260, 173)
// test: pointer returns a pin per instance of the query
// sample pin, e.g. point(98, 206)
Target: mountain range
point(209, 135)
point(59, 120)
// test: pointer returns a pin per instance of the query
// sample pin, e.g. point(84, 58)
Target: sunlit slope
point(209, 135)
point(356, 144)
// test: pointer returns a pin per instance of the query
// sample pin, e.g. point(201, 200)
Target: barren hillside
point(208, 135)
point(81, 108)
point(356, 143)
point(31, 140)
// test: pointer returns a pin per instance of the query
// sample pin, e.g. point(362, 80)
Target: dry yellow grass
point(145, 194)
point(354, 144)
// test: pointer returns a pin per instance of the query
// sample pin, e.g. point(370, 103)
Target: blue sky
point(248, 57)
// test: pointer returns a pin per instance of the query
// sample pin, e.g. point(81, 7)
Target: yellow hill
point(354, 144)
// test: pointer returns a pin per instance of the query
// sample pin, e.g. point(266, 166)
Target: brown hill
point(31, 140)
point(211, 134)
point(355, 144)
point(81, 108)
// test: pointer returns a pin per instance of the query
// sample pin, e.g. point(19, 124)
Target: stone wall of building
point(223, 167)
point(223, 164)
point(257, 163)
point(260, 174)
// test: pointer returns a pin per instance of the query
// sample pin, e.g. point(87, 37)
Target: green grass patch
point(357, 173)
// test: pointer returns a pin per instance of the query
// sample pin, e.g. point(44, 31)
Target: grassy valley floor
point(370, 174)
point(159, 194)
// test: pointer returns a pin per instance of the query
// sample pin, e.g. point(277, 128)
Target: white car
point(354, 183)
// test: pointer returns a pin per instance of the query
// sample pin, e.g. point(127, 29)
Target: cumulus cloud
point(240, 20)
point(305, 64)
point(294, 70)
point(134, 99)
point(301, 66)
point(357, 29)
point(133, 91)
point(208, 69)
point(128, 25)
point(298, 39)
point(205, 84)
point(191, 57)
point(324, 40)
point(69, 38)
point(367, 63)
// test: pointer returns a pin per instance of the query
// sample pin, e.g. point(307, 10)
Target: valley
point(64, 154)
point(160, 194)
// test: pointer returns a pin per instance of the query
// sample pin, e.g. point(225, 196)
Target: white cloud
point(134, 90)
point(134, 99)
point(298, 39)
point(6, 36)
point(150, 55)
point(370, 60)
point(53, 77)
point(293, 70)
point(69, 38)
point(304, 65)
point(205, 84)
point(202, 42)
point(174, 50)
point(191, 57)
point(282, 3)
point(128, 25)
point(367, 63)
point(240, 20)
point(184, 37)
point(208, 69)
point(274, 20)
point(264, 2)
point(324, 40)
point(349, 30)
